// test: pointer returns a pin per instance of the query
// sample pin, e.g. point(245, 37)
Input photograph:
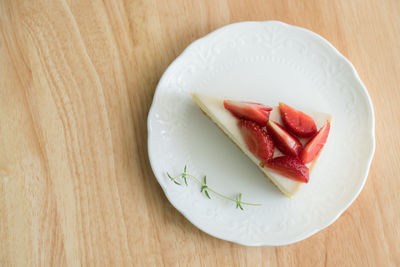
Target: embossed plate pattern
point(265, 62)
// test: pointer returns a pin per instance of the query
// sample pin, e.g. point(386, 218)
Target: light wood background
point(76, 82)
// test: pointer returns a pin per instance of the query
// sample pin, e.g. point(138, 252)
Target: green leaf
point(202, 188)
point(206, 192)
point(238, 201)
point(205, 179)
point(170, 177)
point(185, 179)
point(184, 169)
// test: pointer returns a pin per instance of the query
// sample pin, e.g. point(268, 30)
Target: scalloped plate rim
point(371, 133)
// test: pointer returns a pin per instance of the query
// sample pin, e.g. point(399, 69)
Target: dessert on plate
point(283, 142)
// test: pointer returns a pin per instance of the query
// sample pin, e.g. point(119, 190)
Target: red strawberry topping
point(286, 143)
point(256, 112)
point(315, 145)
point(257, 140)
point(290, 167)
point(297, 122)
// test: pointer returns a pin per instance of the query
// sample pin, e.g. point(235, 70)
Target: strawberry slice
point(297, 122)
point(256, 112)
point(290, 167)
point(314, 146)
point(257, 140)
point(287, 144)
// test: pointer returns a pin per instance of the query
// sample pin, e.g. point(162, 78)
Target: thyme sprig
point(204, 188)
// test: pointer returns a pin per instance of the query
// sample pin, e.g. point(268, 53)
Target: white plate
point(265, 62)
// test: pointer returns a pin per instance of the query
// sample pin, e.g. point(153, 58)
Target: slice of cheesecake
point(213, 108)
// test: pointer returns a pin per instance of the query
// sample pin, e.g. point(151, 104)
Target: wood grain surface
point(76, 83)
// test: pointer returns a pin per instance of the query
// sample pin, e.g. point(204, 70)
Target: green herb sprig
point(204, 188)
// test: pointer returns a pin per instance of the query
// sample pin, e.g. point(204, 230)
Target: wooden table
point(76, 82)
